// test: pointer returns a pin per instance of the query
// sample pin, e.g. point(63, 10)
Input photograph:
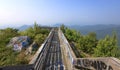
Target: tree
point(72, 35)
point(7, 34)
point(39, 38)
point(7, 55)
point(106, 47)
point(62, 27)
point(44, 31)
point(87, 43)
point(90, 45)
point(36, 28)
point(30, 32)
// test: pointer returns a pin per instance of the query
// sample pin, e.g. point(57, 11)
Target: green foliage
point(7, 55)
point(33, 31)
point(36, 28)
point(30, 32)
point(44, 31)
point(36, 33)
point(62, 27)
point(39, 38)
point(7, 34)
point(89, 44)
point(107, 47)
point(21, 58)
point(72, 35)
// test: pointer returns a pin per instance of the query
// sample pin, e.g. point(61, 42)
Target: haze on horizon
point(48, 12)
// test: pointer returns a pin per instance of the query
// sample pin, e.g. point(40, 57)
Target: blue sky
point(47, 12)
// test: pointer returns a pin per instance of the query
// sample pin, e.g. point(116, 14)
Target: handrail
point(39, 50)
point(99, 63)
